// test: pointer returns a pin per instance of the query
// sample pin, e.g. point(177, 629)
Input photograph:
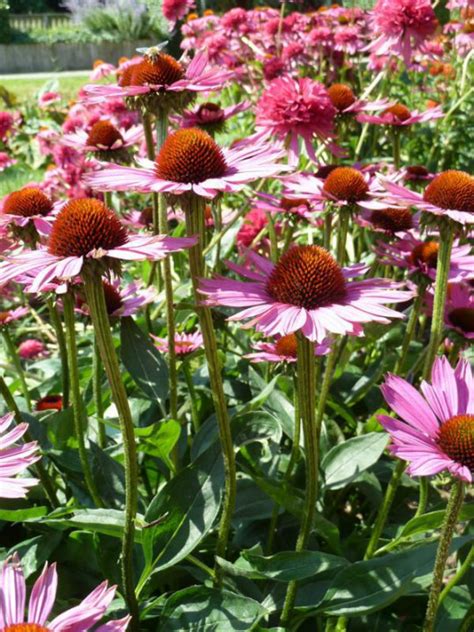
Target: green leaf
point(107, 521)
point(202, 609)
point(186, 509)
point(36, 551)
point(246, 428)
point(343, 463)
point(433, 520)
point(453, 610)
point(109, 476)
point(23, 515)
point(368, 586)
point(143, 361)
point(159, 439)
point(287, 565)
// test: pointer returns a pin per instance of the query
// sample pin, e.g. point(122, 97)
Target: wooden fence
point(28, 21)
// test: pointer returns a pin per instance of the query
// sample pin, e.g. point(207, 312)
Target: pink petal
point(43, 595)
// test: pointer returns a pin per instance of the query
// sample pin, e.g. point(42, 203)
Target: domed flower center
point(191, 156)
point(85, 225)
point(346, 184)
point(125, 75)
point(341, 96)
point(451, 190)
point(287, 346)
point(288, 204)
point(163, 70)
point(50, 402)
point(27, 203)
point(25, 627)
point(210, 113)
point(463, 318)
point(104, 135)
point(146, 216)
point(456, 439)
point(113, 300)
point(415, 172)
point(399, 111)
point(426, 253)
point(307, 276)
point(392, 219)
point(4, 316)
point(325, 170)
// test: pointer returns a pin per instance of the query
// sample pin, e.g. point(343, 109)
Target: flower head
point(458, 310)
point(175, 10)
point(398, 115)
point(305, 291)
point(283, 349)
point(191, 161)
point(82, 617)
point(31, 349)
point(105, 141)
point(15, 460)
point(122, 301)
point(28, 205)
point(450, 194)
point(296, 108)
point(435, 431)
point(6, 161)
point(10, 315)
point(50, 402)
point(86, 231)
point(7, 121)
point(184, 343)
point(210, 116)
point(401, 26)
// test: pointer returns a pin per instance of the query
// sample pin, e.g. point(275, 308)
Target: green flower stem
point(273, 238)
point(39, 469)
point(423, 497)
point(410, 329)
point(79, 412)
point(384, 510)
point(446, 234)
point(195, 226)
point(100, 320)
point(97, 391)
point(61, 340)
point(108, 199)
point(447, 531)
point(465, 566)
point(344, 217)
point(331, 362)
point(327, 230)
point(307, 407)
point(192, 395)
point(396, 147)
point(15, 359)
point(295, 450)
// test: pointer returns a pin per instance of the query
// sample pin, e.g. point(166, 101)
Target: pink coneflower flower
point(15, 460)
point(449, 194)
point(86, 230)
point(344, 100)
point(122, 301)
point(416, 173)
point(6, 161)
point(48, 98)
point(104, 140)
point(31, 349)
point(9, 315)
point(459, 309)
point(28, 205)
point(419, 255)
point(101, 69)
point(342, 186)
point(291, 109)
point(435, 429)
point(159, 76)
point(289, 207)
point(209, 116)
point(184, 343)
point(191, 161)
point(81, 618)
point(50, 402)
point(284, 349)
point(402, 26)
point(305, 291)
point(390, 220)
point(399, 115)
point(7, 121)
point(175, 10)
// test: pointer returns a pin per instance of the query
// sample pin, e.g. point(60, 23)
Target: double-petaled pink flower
point(435, 431)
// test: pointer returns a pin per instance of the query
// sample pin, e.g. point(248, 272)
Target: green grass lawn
point(27, 88)
point(16, 177)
